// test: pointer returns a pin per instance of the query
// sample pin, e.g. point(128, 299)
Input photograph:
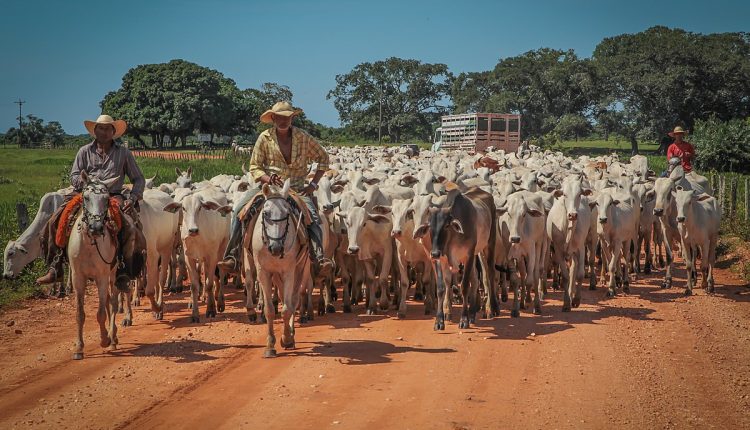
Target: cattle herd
point(458, 227)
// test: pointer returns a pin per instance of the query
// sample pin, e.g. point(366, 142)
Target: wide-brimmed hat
point(280, 108)
point(119, 125)
point(677, 130)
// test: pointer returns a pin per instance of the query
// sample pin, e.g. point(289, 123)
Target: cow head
point(662, 194)
point(403, 216)
point(192, 208)
point(184, 178)
point(356, 221)
point(517, 211)
point(684, 200)
point(572, 190)
point(420, 206)
point(15, 258)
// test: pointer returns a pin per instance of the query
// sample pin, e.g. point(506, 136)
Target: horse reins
point(88, 216)
point(266, 237)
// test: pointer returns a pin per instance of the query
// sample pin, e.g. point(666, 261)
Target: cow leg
point(625, 268)
point(79, 284)
point(125, 301)
point(264, 279)
point(515, 283)
point(153, 287)
point(532, 279)
point(688, 253)
point(592, 264)
point(404, 287)
point(427, 280)
point(220, 298)
point(475, 302)
point(383, 281)
point(647, 249)
point(372, 306)
point(704, 264)
point(488, 280)
point(577, 274)
point(440, 288)
point(667, 243)
point(710, 261)
point(194, 276)
point(465, 290)
point(209, 268)
point(614, 261)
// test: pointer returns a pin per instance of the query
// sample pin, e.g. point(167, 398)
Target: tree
point(54, 133)
point(175, 99)
point(663, 77)
point(394, 97)
point(572, 126)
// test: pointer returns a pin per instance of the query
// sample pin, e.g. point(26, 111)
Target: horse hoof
point(220, 307)
point(105, 342)
point(77, 356)
point(269, 353)
point(195, 319)
point(347, 309)
point(515, 313)
point(127, 323)
point(330, 309)
point(439, 326)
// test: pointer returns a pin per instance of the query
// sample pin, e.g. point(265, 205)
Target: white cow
point(204, 233)
point(698, 218)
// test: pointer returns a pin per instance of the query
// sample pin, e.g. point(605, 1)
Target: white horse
point(92, 253)
point(282, 260)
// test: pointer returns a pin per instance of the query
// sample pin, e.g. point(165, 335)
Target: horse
point(92, 254)
point(281, 259)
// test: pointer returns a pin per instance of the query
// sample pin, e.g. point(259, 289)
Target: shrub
point(722, 146)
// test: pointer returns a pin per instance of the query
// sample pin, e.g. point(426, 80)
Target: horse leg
point(79, 284)
point(113, 305)
point(126, 299)
point(249, 287)
point(264, 278)
point(102, 313)
point(290, 297)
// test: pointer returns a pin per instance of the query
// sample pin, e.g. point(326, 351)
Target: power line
point(20, 103)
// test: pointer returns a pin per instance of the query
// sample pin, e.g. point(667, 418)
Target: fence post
point(22, 213)
point(721, 191)
point(747, 199)
point(733, 196)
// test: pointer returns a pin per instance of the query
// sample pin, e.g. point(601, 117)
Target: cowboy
point(284, 152)
point(680, 150)
point(104, 159)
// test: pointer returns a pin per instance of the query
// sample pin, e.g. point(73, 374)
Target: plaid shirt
point(267, 158)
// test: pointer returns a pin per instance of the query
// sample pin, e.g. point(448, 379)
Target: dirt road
point(651, 359)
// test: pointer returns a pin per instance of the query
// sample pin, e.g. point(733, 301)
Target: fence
point(733, 193)
point(218, 154)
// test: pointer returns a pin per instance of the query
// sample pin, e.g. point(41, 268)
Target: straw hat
point(677, 130)
point(280, 108)
point(119, 125)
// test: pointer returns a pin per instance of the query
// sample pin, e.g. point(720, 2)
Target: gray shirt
point(118, 162)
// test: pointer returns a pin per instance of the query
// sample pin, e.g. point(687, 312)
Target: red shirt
point(684, 151)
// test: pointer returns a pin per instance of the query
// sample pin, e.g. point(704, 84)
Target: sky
point(63, 57)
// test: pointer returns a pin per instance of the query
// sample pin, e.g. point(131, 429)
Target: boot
point(55, 272)
point(230, 263)
point(49, 278)
point(321, 266)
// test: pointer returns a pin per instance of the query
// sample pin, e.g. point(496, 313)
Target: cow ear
point(266, 190)
point(225, 210)
point(382, 210)
point(21, 248)
point(535, 213)
point(210, 205)
point(679, 188)
point(285, 188)
point(615, 202)
point(421, 231)
point(409, 180)
point(409, 213)
point(516, 182)
point(177, 171)
point(592, 204)
point(558, 193)
point(172, 207)
point(360, 203)
point(650, 195)
point(501, 210)
point(243, 186)
point(336, 204)
point(84, 177)
point(370, 181)
point(337, 188)
point(456, 224)
point(586, 192)
point(190, 171)
point(243, 169)
point(379, 219)
point(703, 197)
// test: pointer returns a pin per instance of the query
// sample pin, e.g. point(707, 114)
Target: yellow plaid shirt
point(267, 158)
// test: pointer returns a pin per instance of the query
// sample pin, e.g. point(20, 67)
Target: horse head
point(95, 202)
point(275, 216)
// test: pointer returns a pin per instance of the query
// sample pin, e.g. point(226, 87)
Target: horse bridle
point(269, 239)
point(102, 217)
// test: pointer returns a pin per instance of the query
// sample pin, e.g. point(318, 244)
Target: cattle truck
point(478, 131)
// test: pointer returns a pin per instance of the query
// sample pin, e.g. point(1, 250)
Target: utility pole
point(20, 103)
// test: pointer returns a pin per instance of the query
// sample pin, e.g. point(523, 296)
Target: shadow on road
point(356, 352)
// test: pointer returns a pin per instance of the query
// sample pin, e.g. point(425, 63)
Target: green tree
point(54, 133)
point(662, 77)
point(395, 97)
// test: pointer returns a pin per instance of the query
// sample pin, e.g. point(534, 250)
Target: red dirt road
point(651, 359)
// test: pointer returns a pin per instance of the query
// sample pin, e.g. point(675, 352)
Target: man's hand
point(308, 190)
point(127, 204)
point(274, 179)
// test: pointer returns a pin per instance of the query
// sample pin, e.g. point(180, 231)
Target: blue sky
point(62, 57)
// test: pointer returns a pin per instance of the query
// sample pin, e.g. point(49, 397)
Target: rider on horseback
point(282, 152)
point(106, 160)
